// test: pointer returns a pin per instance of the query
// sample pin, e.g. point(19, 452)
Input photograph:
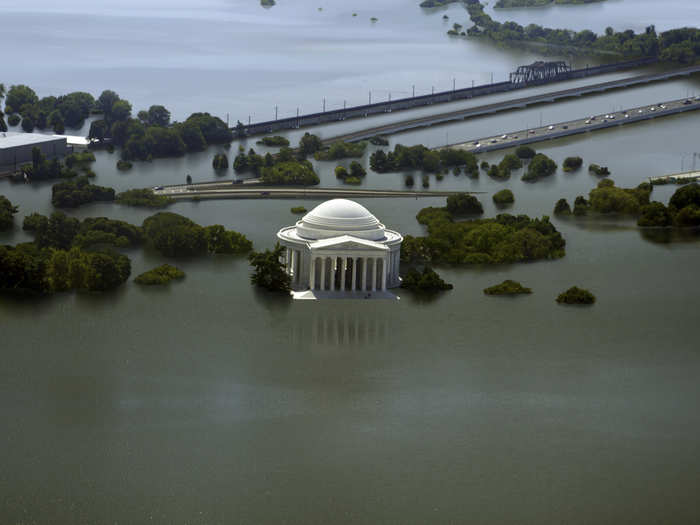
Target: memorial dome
point(340, 217)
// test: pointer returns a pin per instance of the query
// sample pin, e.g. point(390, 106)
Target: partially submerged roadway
point(227, 190)
point(507, 105)
point(583, 125)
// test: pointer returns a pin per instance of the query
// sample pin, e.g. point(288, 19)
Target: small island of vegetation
point(298, 210)
point(576, 295)
point(160, 275)
point(427, 281)
point(540, 166)
point(503, 239)
point(74, 193)
point(421, 158)
point(507, 287)
point(572, 163)
point(342, 150)
point(143, 198)
point(503, 197)
point(274, 141)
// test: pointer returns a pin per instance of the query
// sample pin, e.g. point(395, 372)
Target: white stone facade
point(341, 249)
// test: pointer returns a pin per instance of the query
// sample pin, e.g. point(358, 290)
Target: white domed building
point(339, 249)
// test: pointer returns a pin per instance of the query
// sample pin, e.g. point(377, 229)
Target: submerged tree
point(269, 272)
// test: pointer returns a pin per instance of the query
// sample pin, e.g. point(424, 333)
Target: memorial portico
point(340, 249)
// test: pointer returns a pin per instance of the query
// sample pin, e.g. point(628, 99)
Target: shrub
point(341, 172)
point(408, 181)
point(274, 141)
point(540, 166)
point(160, 275)
point(654, 214)
point(298, 209)
point(426, 181)
point(562, 207)
point(507, 287)
point(144, 198)
point(13, 119)
point(601, 171)
point(524, 152)
point(352, 180)
point(484, 165)
point(464, 204)
point(124, 165)
point(356, 170)
point(504, 197)
point(220, 162)
point(426, 281)
point(576, 295)
point(7, 211)
point(572, 163)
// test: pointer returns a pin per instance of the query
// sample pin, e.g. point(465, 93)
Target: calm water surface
point(210, 402)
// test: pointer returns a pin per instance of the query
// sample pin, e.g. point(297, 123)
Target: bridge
point(583, 125)
point(538, 77)
point(227, 190)
point(519, 103)
point(538, 72)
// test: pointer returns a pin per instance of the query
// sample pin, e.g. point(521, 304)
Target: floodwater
point(211, 402)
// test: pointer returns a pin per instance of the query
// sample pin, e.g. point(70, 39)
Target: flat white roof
point(13, 139)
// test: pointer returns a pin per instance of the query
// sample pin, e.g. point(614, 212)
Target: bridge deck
point(583, 125)
point(519, 103)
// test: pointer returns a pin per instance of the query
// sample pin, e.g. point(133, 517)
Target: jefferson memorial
point(339, 249)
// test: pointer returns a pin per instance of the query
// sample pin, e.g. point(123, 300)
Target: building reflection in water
point(329, 328)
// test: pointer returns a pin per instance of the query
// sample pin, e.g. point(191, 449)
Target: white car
point(588, 121)
point(157, 188)
point(626, 115)
point(504, 136)
point(550, 128)
point(640, 111)
point(662, 106)
point(652, 108)
point(612, 117)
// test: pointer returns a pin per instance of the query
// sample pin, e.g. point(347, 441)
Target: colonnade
point(342, 272)
point(354, 274)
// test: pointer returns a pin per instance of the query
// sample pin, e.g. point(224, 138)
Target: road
point(583, 125)
point(507, 105)
point(227, 190)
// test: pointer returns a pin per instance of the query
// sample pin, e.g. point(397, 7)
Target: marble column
point(375, 271)
point(365, 260)
point(312, 274)
point(384, 272)
point(343, 271)
point(334, 262)
point(323, 274)
point(354, 273)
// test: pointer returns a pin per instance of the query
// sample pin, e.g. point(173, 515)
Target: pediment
point(346, 242)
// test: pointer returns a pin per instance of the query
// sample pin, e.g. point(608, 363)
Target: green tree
point(464, 204)
point(7, 211)
point(174, 235)
point(158, 116)
point(18, 96)
point(309, 144)
point(121, 111)
point(98, 130)
point(268, 270)
point(105, 102)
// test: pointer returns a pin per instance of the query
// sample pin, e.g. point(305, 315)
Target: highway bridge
point(582, 125)
point(508, 105)
point(228, 190)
